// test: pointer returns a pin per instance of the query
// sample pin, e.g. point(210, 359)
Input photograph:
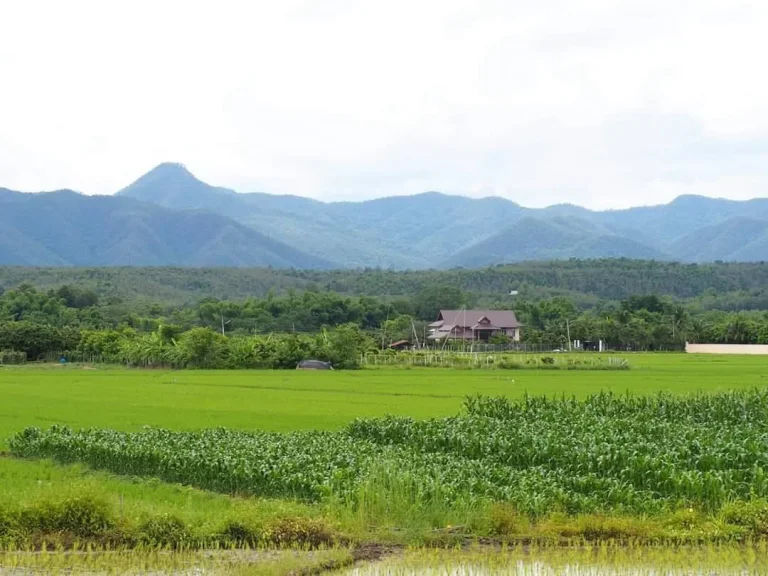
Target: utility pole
point(568, 330)
point(415, 335)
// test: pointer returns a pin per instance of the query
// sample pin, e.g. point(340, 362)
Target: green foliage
point(643, 320)
point(36, 339)
point(288, 531)
point(430, 300)
point(200, 348)
point(204, 348)
point(80, 516)
point(539, 455)
point(90, 519)
point(499, 339)
point(343, 346)
point(723, 286)
point(166, 530)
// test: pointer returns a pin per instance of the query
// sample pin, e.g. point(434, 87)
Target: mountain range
point(169, 217)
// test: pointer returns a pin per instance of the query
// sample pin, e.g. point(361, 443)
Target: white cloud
point(603, 103)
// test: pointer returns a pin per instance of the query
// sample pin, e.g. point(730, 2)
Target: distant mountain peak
point(171, 168)
point(172, 185)
point(165, 173)
point(695, 199)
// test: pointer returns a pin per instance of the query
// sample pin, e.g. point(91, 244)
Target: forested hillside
point(724, 286)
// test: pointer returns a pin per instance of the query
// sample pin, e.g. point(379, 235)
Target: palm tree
point(698, 329)
point(623, 316)
point(680, 320)
point(737, 329)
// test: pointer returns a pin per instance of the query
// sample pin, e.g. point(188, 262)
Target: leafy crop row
point(606, 453)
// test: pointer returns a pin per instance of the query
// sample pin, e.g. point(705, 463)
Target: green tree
point(429, 301)
point(202, 348)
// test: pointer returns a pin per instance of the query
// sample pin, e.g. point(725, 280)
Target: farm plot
point(286, 401)
point(608, 453)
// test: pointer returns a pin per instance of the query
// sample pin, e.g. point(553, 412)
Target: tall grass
point(390, 496)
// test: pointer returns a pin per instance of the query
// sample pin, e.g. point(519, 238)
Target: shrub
point(80, 517)
point(298, 530)
point(505, 521)
point(752, 515)
point(596, 528)
point(9, 523)
point(165, 530)
point(240, 533)
point(84, 517)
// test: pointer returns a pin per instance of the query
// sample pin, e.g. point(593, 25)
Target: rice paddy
point(600, 560)
point(257, 402)
point(285, 401)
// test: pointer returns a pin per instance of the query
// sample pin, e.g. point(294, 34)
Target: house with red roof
point(478, 325)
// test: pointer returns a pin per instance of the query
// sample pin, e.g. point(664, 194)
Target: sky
point(600, 103)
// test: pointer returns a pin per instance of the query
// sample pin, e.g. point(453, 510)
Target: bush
point(596, 527)
point(505, 521)
point(84, 517)
point(9, 523)
point(241, 533)
point(80, 517)
point(752, 515)
point(298, 530)
point(165, 530)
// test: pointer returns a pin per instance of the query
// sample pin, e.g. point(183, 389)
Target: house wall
point(752, 349)
point(513, 333)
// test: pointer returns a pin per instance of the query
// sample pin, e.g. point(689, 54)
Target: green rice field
point(684, 503)
point(286, 400)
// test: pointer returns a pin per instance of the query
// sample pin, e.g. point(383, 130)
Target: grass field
point(127, 400)
point(293, 400)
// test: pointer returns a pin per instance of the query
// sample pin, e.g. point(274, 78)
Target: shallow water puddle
point(599, 561)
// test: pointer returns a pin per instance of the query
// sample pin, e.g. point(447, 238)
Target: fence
point(482, 347)
point(480, 360)
point(12, 357)
point(76, 357)
point(543, 348)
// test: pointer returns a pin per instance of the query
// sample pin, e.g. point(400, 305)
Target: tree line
point(276, 330)
point(722, 286)
point(640, 323)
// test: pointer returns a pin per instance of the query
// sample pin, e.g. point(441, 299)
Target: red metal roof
point(498, 318)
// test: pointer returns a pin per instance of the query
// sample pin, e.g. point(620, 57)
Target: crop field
point(399, 455)
point(604, 454)
point(291, 400)
point(584, 560)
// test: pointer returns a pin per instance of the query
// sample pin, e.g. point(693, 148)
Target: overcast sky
point(602, 103)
